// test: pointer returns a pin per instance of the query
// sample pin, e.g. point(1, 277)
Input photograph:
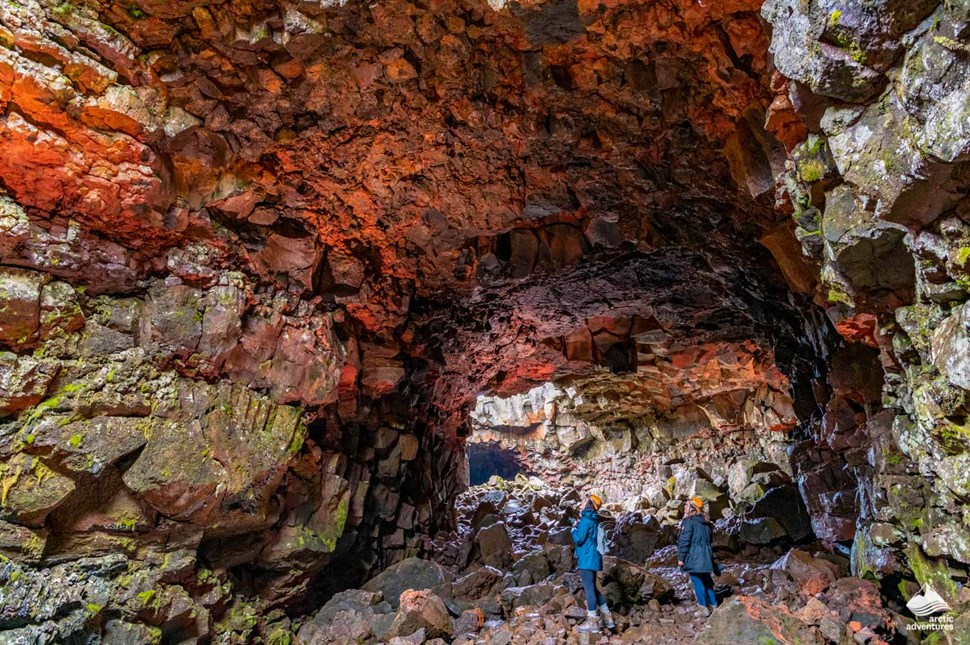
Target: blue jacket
point(584, 535)
point(694, 545)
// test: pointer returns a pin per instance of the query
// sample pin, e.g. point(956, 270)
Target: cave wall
point(190, 445)
point(707, 407)
point(877, 184)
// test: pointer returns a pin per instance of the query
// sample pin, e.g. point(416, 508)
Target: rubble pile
point(508, 576)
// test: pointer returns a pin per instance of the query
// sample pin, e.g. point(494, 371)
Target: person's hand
point(680, 563)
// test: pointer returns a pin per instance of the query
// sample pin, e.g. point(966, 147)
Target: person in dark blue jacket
point(695, 555)
point(589, 561)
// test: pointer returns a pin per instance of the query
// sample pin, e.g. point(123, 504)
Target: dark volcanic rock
point(749, 620)
point(412, 573)
point(784, 504)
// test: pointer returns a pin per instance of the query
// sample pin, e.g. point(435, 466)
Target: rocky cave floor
point(508, 576)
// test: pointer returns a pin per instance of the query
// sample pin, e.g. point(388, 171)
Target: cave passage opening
point(718, 420)
point(486, 460)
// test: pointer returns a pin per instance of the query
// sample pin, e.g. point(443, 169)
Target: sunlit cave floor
point(508, 576)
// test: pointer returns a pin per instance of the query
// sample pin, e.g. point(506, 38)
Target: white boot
point(592, 623)
point(607, 617)
point(704, 611)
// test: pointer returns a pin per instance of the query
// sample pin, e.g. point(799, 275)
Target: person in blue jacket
point(695, 555)
point(589, 561)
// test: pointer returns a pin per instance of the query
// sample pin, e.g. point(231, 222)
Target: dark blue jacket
point(694, 545)
point(584, 535)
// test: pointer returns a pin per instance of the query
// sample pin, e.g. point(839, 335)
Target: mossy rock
point(29, 490)
point(932, 571)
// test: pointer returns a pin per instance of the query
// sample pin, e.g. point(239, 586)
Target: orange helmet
point(698, 502)
point(597, 501)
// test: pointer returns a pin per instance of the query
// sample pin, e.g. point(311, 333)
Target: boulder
point(300, 537)
point(948, 539)
point(858, 600)
point(20, 305)
point(741, 472)
point(530, 568)
point(220, 444)
point(469, 622)
point(761, 530)
point(59, 310)
point(635, 584)
point(689, 479)
point(479, 589)
point(574, 437)
point(120, 314)
point(869, 558)
point(99, 340)
point(172, 319)
point(417, 638)
point(561, 537)
point(494, 546)
point(411, 573)
point(951, 347)
point(725, 535)
point(817, 614)
point(31, 490)
point(561, 558)
point(89, 445)
point(221, 322)
point(812, 575)
point(531, 595)
point(21, 544)
point(760, 483)
point(300, 372)
point(348, 617)
point(830, 492)
point(296, 257)
point(24, 381)
point(420, 610)
point(477, 584)
point(636, 537)
point(380, 372)
point(120, 632)
point(839, 50)
point(745, 619)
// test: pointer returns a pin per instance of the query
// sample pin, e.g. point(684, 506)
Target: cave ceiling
point(479, 186)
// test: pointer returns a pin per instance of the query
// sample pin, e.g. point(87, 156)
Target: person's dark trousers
point(704, 589)
point(594, 598)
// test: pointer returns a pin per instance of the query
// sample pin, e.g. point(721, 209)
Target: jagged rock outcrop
point(703, 406)
point(879, 193)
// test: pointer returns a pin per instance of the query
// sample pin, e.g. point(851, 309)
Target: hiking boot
point(703, 612)
point(607, 618)
point(591, 626)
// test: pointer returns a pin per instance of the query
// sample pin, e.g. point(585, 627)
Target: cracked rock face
point(260, 261)
point(888, 189)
